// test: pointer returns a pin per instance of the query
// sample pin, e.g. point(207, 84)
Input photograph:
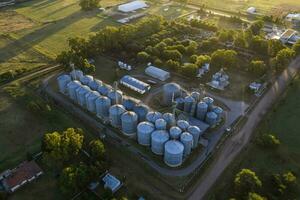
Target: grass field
point(282, 121)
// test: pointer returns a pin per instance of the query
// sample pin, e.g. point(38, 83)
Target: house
point(21, 175)
point(132, 6)
point(135, 84)
point(157, 73)
point(294, 18)
point(289, 37)
point(251, 10)
point(111, 182)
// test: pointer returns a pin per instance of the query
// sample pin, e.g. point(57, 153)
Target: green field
point(263, 6)
point(283, 122)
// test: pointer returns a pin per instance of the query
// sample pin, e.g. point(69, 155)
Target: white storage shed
point(157, 73)
point(132, 6)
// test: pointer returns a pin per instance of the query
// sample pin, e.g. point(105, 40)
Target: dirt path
point(235, 144)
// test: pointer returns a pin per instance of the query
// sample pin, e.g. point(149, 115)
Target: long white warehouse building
point(132, 6)
point(157, 73)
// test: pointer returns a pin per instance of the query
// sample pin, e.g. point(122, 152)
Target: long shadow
point(35, 37)
point(60, 9)
point(44, 4)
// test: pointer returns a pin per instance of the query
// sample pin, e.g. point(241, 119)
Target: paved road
point(235, 144)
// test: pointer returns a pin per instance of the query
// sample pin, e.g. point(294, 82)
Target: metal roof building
point(157, 73)
point(132, 6)
point(135, 84)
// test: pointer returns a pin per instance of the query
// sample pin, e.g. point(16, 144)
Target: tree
point(191, 48)
point(89, 4)
point(259, 45)
point(202, 59)
point(257, 67)
point(172, 64)
point(97, 150)
point(189, 69)
point(256, 26)
point(172, 54)
point(143, 57)
point(269, 141)
point(239, 40)
point(246, 181)
point(193, 58)
point(255, 196)
point(284, 183)
point(296, 47)
point(284, 57)
point(224, 58)
point(274, 46)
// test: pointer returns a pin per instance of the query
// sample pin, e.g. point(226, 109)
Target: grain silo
point(209, 101)
point(76, 74)
point(115, 113)
point(144, 131)
point(219, 111)
point(170, 119)
point(103, 104)
point(72, 86)
point(158, 140)
point(173, 155)
point(129, 103)
point(81, 95)
point(160, 124)
point(211, 118)
point(196, 96)
point(153, 116)
point(187, 141)
point(202, 109)
point(91, 101)
point(188, 104)
point(170, 92)
point(104, 89)
point(63, 81)
point(129, 123)
point(195, 132)
point(175, 132)
point(180, 103)
point(95, 84)
point(141, 110)
point(116, 97)
point(183, 125)
point(85, 80)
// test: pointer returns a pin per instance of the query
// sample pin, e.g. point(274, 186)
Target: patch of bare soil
point(11, 21)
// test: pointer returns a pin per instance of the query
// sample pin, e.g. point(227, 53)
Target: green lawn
point(283, 122)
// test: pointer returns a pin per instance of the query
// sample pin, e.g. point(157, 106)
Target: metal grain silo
point(63, 81)
point(183, 125)
point(211, 118)
point(196, 96)
point(129, 123)
point(175, 132)
point(188, 104)
point(115, 113)
point(173, 155)
point(219, 111)
point(81, 95)
point(116, 97)
point(158, 140)
point(187, 141)
point(170, 92)
point(129, 103)
point(104, 89)
point(72, 86)
point(202, 109)
point(161, 124)
point(153, 116)
point(195, 132)
point(91, 101)
point(103, 104)
point(95, 84)
point(144, 131)
point(180, 103)
point(76, 74)
point(85, 80)
point(170, 119)
point(209, 101)
point(141, 110)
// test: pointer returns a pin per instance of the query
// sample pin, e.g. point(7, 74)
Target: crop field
point(282, 121)
point(263, 6)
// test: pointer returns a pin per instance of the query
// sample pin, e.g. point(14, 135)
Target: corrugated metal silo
point(81, 95)
point(173, 155)
point(170, 119)
point(141, 110)
point(187, 141)
point(85, 80)
point(170, 90)
point(104, 89)
point(129, 123)
point(115, 97)
point(144, 131)
point(91, 101)
point(195, 132)
point(219, 111)
point(63, 81)
point(188, 104)
point(196, 96)
point(183, 125)
point(129, 103)
point(153, 116)
point(115, 113)
point(103, 104)
point(72, 86)
point(209, 101)
point(76, 74)
point(180, 103)
point(158, 140)
point(95, 84)
point(211, 118)
point(161, 124)
point(202, 109)
point(175, 132)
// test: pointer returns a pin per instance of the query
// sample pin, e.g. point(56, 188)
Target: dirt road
point(235, 144)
